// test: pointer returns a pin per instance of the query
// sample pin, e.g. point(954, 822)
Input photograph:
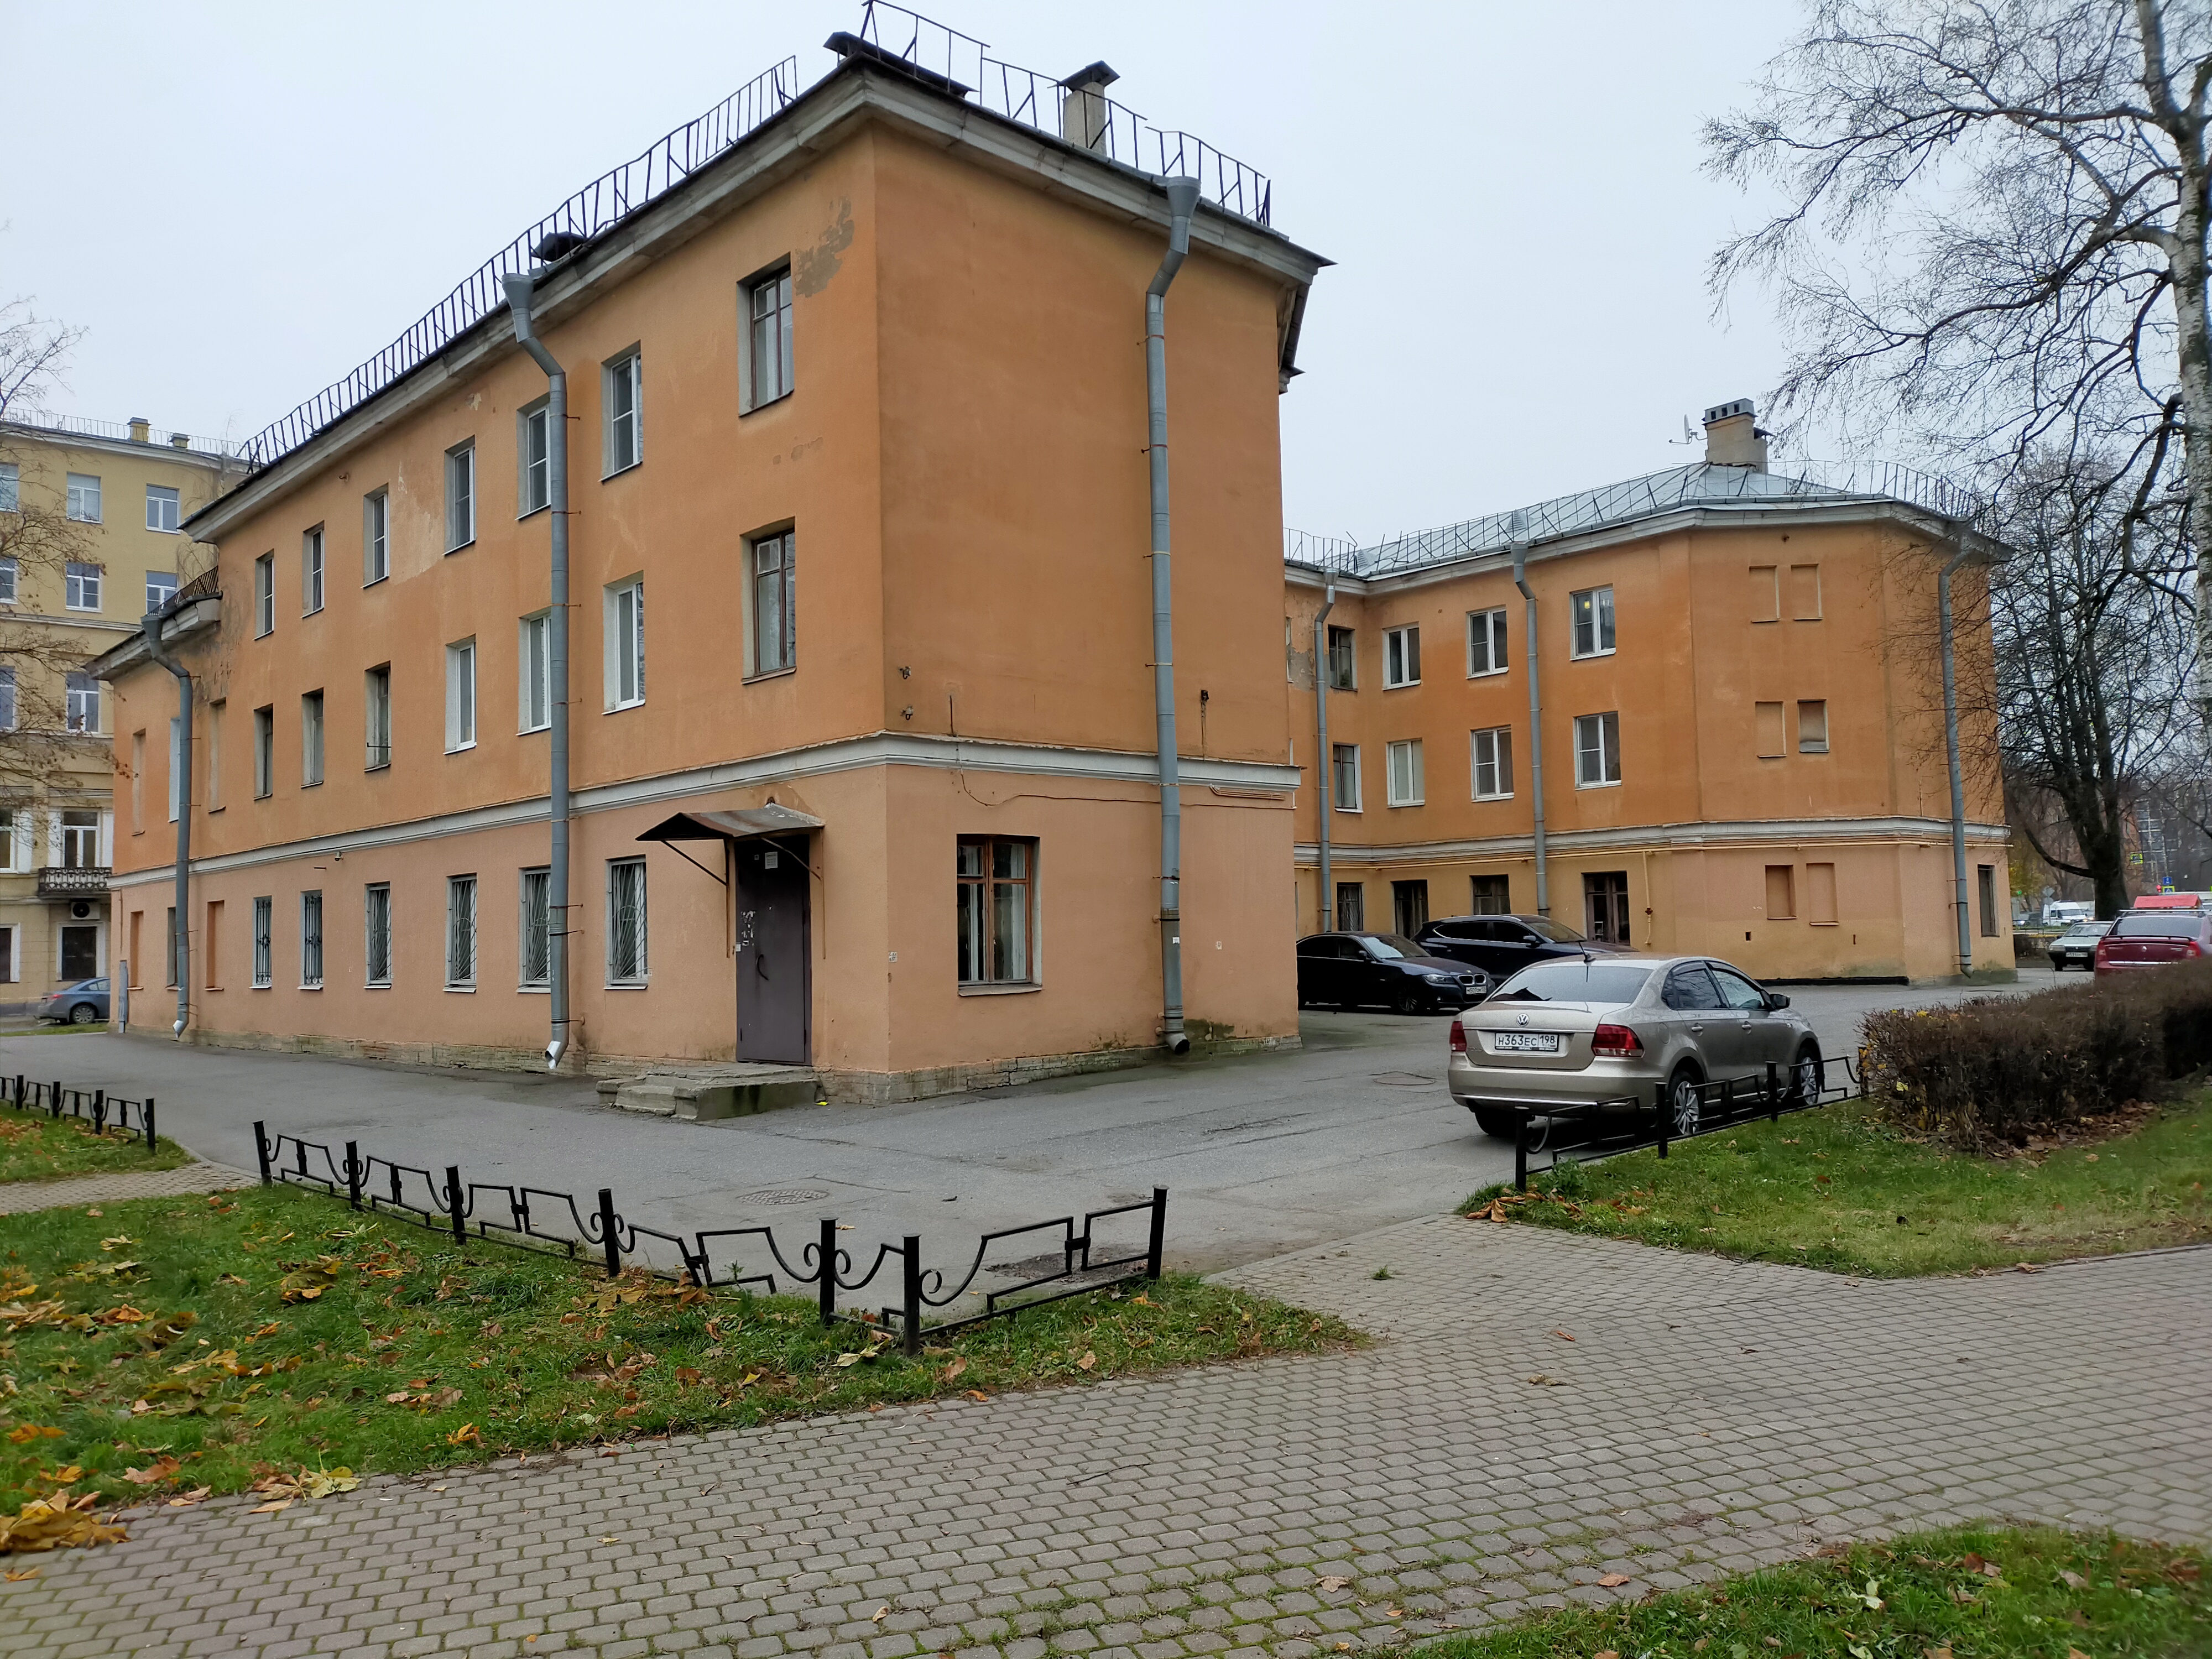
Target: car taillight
point(1458, 1038)
point(1615, 1041)
point(2192, 948)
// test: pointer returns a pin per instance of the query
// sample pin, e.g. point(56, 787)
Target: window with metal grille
point(996, 882)
point(626, 921)
point(775, 604)
point(264, 966)
point(310, 938)
point(376, 932)
point(768, 340)
point(537, 954)
point(460, 932)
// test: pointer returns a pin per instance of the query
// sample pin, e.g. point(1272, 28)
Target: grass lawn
point(207, 1341)
point(1834, 1188)
point(36, 1147)
point(1973, 1593)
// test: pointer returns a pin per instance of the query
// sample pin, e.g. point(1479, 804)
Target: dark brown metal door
point(774, 1003)
point(1604, 906)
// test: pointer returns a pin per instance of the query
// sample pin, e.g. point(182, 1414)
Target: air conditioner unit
point(80, 910)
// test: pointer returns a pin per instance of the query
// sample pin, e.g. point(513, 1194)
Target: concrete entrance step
point(701, 1093)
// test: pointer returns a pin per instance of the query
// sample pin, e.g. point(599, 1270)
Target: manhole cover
point(785, 1195)
point(1406, 1079)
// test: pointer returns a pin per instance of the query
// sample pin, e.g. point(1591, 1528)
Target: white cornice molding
point(1261, 781)
point(1671, 837)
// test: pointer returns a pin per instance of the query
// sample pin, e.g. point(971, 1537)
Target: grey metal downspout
point(181, 940)
point(518, 292)
point(1951, 748)
point(1517, 532)
point(1324, 796)
point(1183, 200)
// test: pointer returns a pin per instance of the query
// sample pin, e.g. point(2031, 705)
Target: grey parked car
point(2077, 947)
point(84, 1003)
point(1614, 1029)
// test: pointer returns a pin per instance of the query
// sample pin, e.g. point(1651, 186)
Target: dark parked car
point(84, 1003)
point(1503, 945)
point(1354, 970)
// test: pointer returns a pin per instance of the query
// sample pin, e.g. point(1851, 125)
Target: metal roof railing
point(119, 432)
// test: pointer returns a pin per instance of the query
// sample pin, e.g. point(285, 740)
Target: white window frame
point(265, 943)
point(542, 877)
point(264, 751)
point(461, 932)
point(1335, 797)
point(165, 582)
point(1488, 627)
point(313, 705)
point(11, 487)
point(1499, 761)
point(6, 696)
point(375, 536)
point(311, 939)
point(265, 596)
point(81, 502)
point(1597, 751)
point(1403, 784)
point(460, 695)
point(376, 716)
point(461, 495)
point(624, 372)
point(1601, 632)
point(533, 671)
point(80, 702)
point(766, 373)
point(376, 929)
point(166, 523)
point(312, 572)
point(782, 546)
point(640, 941)
point(1401, 656)
point(624, 620)
point(8, 572)
point(533, 469)
point(82, 582)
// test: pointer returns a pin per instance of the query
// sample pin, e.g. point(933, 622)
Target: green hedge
point(1998, 1068)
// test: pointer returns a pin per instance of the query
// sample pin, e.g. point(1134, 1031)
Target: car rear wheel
point(1498, 1122)
point(1805, 1076)
point(1686, 1099)
point(84, 1014)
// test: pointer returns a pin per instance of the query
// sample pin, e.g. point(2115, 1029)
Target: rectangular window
point(1597, 751)
point(83, 503)
point(11, 494)
point(1403, 786)
point(1401, 657)
point(774, 597)
point(81, 710)
point(1485, 643)
point(534, 655)
point(310, 572)
point(1766, 723)
point(1813, 728)
point(1781, 893)
point(626, 925)
point(625, 629)
point(1350, 907)
point(1409, 907)
point(1342, 662)
point(767, 306)
point(460, 933)
point(311, 739)
point(1344, 776)
point(534, 455)
point(1820, 894)
point(81, 838)
point(264, 752)
point(1591, 611)
point(164, 512)
point(1765, 593)
point(376, 932)
point(1805, 592)
point(537, 955)
point(460, 495)
point(375, 537)
point(376, 702)
point(460, 695)
point(997, 882)
point(1489, 895)
point(1986, 889)
point(622, 441)
point(1492, 758)
point(265, 596)
point(160, 588)
point(265, 962)
point(176, 768)
point(7, 571)
point(81, 586)
point(7, 698)
point(311, 939)
point(216, 710)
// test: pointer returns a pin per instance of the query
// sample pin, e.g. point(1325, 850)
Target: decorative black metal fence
point(128, 1120)
point(1628, 1123)
point(1074, 1263)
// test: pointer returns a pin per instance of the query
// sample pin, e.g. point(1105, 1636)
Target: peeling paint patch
point(811, 271)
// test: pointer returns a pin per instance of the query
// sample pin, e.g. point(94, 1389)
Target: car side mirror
point(1775, 999)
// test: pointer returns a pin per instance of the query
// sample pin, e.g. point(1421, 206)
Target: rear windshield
point(1575, 982)
point(2158, 924)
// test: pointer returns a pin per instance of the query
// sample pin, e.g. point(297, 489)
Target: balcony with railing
point(58, 881)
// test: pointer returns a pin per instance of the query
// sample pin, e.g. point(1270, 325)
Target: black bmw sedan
point(1358, 970)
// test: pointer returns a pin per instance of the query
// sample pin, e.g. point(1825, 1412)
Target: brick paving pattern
point(17, 1196)
point(1707, 1417)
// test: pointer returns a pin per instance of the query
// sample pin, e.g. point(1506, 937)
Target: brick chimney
point(1085, 119)
point(1733, 438)
point(180, 441)
point(140, 431)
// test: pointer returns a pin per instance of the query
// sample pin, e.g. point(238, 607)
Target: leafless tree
point(1991, 226)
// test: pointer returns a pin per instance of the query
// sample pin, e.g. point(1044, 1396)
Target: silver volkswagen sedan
point(1614, 1030)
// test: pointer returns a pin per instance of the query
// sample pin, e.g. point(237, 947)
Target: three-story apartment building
point(861, 672)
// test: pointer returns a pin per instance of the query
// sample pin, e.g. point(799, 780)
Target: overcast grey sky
point(239, 202)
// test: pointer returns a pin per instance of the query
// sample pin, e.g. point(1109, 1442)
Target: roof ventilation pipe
point(519, 290)
point(1517, 537)
point(1182, 201)
point(180, 954)
point(1324, 770)
point(1086, 112)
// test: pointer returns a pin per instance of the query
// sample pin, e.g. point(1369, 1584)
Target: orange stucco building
point(861, 626)
point(1742, 741)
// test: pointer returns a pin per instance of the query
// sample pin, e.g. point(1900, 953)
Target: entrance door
point(1409, 906)
point(774, 1003)
point(1604, 906)
point(80, 953)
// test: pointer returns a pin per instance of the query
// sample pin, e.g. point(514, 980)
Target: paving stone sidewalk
point(18, 1196)
point(1706, 1416)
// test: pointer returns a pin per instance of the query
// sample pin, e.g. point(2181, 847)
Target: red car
point(2153, 939)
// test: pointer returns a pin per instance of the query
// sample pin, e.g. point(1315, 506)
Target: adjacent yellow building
point(91, 537)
